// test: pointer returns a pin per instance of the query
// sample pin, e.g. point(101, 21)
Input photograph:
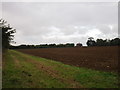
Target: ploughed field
point(99, 58)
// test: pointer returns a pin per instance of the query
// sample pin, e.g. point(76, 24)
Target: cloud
point(60, 1)
point(61, 22)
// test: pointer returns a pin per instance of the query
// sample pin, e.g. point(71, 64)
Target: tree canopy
point(7, 34)
point(101, 42)
point(90, 41)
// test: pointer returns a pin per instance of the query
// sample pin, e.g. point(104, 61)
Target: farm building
point(79, 45)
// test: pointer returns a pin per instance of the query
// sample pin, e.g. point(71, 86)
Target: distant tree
point(7, 34)
point(69, 45)
point(100, 42)
point(61, 45)
point(90, 41)
point(106, 42)
point(52, 45)
point(115, 42)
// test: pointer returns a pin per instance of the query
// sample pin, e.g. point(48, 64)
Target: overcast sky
point(63, 22)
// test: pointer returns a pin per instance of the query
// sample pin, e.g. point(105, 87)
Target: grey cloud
point(61, 22)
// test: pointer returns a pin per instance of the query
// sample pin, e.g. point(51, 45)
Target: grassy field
point(26, 71)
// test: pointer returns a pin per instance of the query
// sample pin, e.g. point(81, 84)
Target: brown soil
point(99, 58)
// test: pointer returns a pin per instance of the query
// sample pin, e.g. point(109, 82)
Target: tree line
point(23, 46)
point(90, 42)
point(103, 42)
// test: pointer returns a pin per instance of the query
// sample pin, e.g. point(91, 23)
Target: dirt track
point(99, 58)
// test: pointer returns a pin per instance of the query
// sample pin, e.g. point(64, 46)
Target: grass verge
point(26, 71)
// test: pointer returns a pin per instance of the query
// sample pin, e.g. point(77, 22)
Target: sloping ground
point(98, 58)
point(25, 71)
